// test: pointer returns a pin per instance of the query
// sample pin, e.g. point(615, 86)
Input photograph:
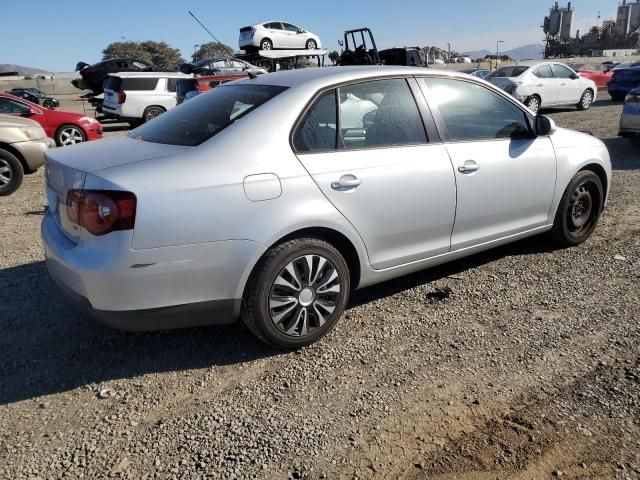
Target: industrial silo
point(622, 19)
point(555, 20)
point(567, 23)
point(634, 16)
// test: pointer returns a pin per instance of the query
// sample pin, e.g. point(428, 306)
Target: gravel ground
point(529, 369)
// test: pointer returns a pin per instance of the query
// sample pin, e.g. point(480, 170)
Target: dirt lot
point(529, 370)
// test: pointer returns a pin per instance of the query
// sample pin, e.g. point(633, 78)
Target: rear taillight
point(101, 211)
point(122, 97)
point(633, 98)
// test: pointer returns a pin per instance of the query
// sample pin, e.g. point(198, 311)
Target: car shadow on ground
point(47, 347)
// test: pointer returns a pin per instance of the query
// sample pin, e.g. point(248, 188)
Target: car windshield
point(509, 72)
point(201, 118)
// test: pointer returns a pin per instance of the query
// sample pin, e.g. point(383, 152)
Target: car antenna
point(206, 29)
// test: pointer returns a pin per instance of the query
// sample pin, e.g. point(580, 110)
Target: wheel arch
point(7, 147)
point(332, 236)
point(601, 173)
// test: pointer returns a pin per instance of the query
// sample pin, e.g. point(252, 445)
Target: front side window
point(7, 105)
point(317, 131)
point(543, 72)
point(560, 71)
point(379, 113)
point(473, 112)
point(290, 28)
point(206, 115)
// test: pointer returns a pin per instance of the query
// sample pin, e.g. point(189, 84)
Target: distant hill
point(6, 68)
point(525, 52)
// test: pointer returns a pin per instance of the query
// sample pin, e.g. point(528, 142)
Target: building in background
point(620, 36)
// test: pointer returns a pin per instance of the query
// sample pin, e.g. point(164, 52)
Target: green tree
point(212, 49)
point(159, 54)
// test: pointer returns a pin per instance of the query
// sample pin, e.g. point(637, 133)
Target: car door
point(546, 85)
point(294, 39)
point(376, 165)
point(569, 89)
point(276, 34)
point(505, 175)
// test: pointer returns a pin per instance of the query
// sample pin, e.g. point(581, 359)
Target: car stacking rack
point(274, 60)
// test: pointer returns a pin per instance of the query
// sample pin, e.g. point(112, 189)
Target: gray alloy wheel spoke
point(304, 295)
point(5, 172)
point(71, 136)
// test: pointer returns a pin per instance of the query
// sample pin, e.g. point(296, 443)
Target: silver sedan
point(271, 199)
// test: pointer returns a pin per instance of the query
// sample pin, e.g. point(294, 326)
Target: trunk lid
point(67, 168)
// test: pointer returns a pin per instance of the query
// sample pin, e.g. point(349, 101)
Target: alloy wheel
point(6, 173)
point(304, 295)
point(71, 136)
point(533, 104)
point(153, 112)
point(266, 46)
point(587, 99)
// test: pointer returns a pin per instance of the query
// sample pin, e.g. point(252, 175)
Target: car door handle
point(540, 85)
point(469, 167)
point(346, 182)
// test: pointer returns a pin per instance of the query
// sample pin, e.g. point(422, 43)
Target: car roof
point(150, 75)
point(334, 75)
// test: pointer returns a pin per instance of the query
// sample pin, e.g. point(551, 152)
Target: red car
point(597, 72)
point(193, 86)
point(66, 128)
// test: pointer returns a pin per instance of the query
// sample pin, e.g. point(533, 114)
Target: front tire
point(70, 135)
point(152, 112)
point(11, 173)
point(49, 105)
point(533, 103)
point(297, 293)
point(579, 210)
point(586, 100)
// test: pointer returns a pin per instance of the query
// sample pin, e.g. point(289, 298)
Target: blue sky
point(55, 35)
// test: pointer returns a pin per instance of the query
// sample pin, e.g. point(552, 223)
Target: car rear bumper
point(630, 122)
point(150, 289)
point(33, 151)
point(249, 42)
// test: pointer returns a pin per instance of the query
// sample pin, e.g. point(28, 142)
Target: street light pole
point(195, 49)
point(498, 48)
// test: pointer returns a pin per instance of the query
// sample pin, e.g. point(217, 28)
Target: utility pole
point(449, 54)
point(195, 49)
point(498, 48)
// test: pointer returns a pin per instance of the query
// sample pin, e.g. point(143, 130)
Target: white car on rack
point(138, 97)
point(277, 34)
point(545, 84)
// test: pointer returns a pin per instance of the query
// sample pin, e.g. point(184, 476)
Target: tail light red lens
point(101, 211)
point(122, 97)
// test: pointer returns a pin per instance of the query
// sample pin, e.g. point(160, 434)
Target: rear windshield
point(206, 115)
point(131, 84)
point(509, 72)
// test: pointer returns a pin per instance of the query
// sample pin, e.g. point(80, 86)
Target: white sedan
point(277, 34)
point(545, 84)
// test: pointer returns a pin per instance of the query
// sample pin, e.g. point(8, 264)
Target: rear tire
point(266, 44)
point(533, 103)
point(311, 45)
point(296, 293)
point(579, 210)
point(586, 100)
point(11, 173)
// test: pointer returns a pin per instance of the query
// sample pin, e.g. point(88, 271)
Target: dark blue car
point(623, 81)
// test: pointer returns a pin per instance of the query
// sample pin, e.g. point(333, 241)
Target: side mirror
point(575, 76)
point(544, 126)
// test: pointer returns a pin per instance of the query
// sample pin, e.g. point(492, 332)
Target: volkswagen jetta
point(271, 199)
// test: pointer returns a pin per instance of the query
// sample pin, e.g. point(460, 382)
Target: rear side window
point(379, 113)
point(560, 71)
point(509, 72)
point(130, 84)
point(473, 112)
point(205, 115)
point(171, 84)
point(317, 131)
point(543, 72)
